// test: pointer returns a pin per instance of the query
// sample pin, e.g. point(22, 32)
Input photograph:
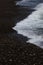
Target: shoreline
point(13, 47)
point(14, 50)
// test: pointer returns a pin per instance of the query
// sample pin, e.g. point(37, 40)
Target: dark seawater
point(31, 3)
point(32, 26)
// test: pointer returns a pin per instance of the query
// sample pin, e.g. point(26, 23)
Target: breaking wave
point(32, 26)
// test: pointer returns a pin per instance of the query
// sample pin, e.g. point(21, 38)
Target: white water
point(32, 25)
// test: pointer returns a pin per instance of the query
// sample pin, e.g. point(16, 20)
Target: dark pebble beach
point(13, 47)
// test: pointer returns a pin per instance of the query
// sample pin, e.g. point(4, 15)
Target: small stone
point(22, 63)
point(15, 60)
point(10, 60)
point(26, 53)
point(34, 54)
point(9, 52)
point(3, 58)
point(19, 61)
point(30, 54)
point(34, 64)
point(0, 58)
point(21, 47)
point(23, 53)
point(18, 49)
point(5, 61)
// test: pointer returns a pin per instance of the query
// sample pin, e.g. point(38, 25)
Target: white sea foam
point(31, 26)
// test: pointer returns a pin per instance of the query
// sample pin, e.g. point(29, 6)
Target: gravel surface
point(13, 51)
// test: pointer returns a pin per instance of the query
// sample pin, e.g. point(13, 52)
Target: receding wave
point(32, 26)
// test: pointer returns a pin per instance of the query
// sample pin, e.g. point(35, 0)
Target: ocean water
point(31, 3)
point(32, 26)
